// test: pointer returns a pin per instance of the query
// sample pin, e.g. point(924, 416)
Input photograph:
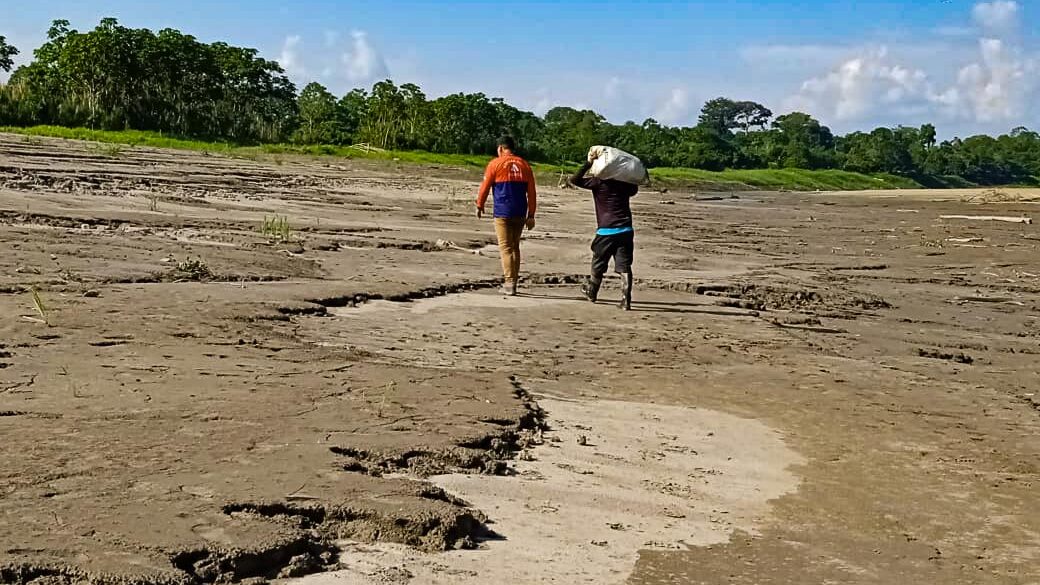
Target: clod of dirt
point(293, 557)
point(960, 358)
point(766, 298)
point(486, 454)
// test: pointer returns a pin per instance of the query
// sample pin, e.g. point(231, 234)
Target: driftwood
point(366, 147)
point(1010, 219)
point(978, 299)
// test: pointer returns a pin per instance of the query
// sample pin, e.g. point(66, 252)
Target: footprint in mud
point(647, 477)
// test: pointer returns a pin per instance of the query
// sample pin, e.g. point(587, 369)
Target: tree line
point(115, 78)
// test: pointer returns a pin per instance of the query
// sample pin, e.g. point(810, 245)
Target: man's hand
point(480, 212)
point(530, 223)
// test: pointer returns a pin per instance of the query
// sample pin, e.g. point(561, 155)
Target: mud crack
point(355, 299)
point(488, 453)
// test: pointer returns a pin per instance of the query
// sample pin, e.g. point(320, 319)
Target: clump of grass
point(153, 202)
point(276, 227)
point(41, 309)
point(778, 179)
point(111, 150)
point(194, 269)
point(125, 137)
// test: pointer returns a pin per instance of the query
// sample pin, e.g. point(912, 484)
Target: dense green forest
point(116, 78)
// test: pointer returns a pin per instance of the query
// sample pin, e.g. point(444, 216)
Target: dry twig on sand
point(1007, 218)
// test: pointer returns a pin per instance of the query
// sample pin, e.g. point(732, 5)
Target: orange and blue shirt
point(511, 180)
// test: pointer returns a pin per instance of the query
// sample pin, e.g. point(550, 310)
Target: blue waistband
point(614, 231)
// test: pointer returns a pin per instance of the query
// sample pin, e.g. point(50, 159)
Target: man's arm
point(532, 194)
point(580, 180)
point(485, 188)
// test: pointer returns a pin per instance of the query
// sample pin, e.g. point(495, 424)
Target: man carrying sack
point(613, 181)
point(511, 180)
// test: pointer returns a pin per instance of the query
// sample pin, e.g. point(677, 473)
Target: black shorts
point(620, 247)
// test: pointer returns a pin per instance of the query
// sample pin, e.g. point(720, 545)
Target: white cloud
point(992, 84)
point(363, 62)
point(999, 87)
point(624, 100)
point(341, 68)
point(861, 84)
point(675, 109)
point(999, 15)
point(542, 101)
point(289, 58)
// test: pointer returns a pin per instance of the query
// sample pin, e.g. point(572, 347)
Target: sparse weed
point(38, 305)
point(390, 386)
point(153, 202)
point(110, 149)
point(449, 200)
point(276, 227)
point(194, 269)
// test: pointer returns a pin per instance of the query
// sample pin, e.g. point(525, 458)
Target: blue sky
point(968, 66)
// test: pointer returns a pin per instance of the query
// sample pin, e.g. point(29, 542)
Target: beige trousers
point(509, 231)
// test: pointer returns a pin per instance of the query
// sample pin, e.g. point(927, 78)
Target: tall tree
point(7, 54)
point(416, 116)
point(719, 115)
point(805, 143)
point(748, 115)
point(386, 113)
point(317, 109)
point(351, 112)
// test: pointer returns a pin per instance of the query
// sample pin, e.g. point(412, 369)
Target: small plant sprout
point(276, 227)
point(41, 309)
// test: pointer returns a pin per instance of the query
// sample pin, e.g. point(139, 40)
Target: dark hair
point(507, 142)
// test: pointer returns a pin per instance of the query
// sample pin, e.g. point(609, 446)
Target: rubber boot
point(590, 288)
point(626, 292)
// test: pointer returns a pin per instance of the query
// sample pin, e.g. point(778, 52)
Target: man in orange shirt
point(511, 180)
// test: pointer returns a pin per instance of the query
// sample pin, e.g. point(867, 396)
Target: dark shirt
point(612, 206)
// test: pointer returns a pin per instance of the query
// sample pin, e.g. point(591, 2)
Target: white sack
point(614, 163)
